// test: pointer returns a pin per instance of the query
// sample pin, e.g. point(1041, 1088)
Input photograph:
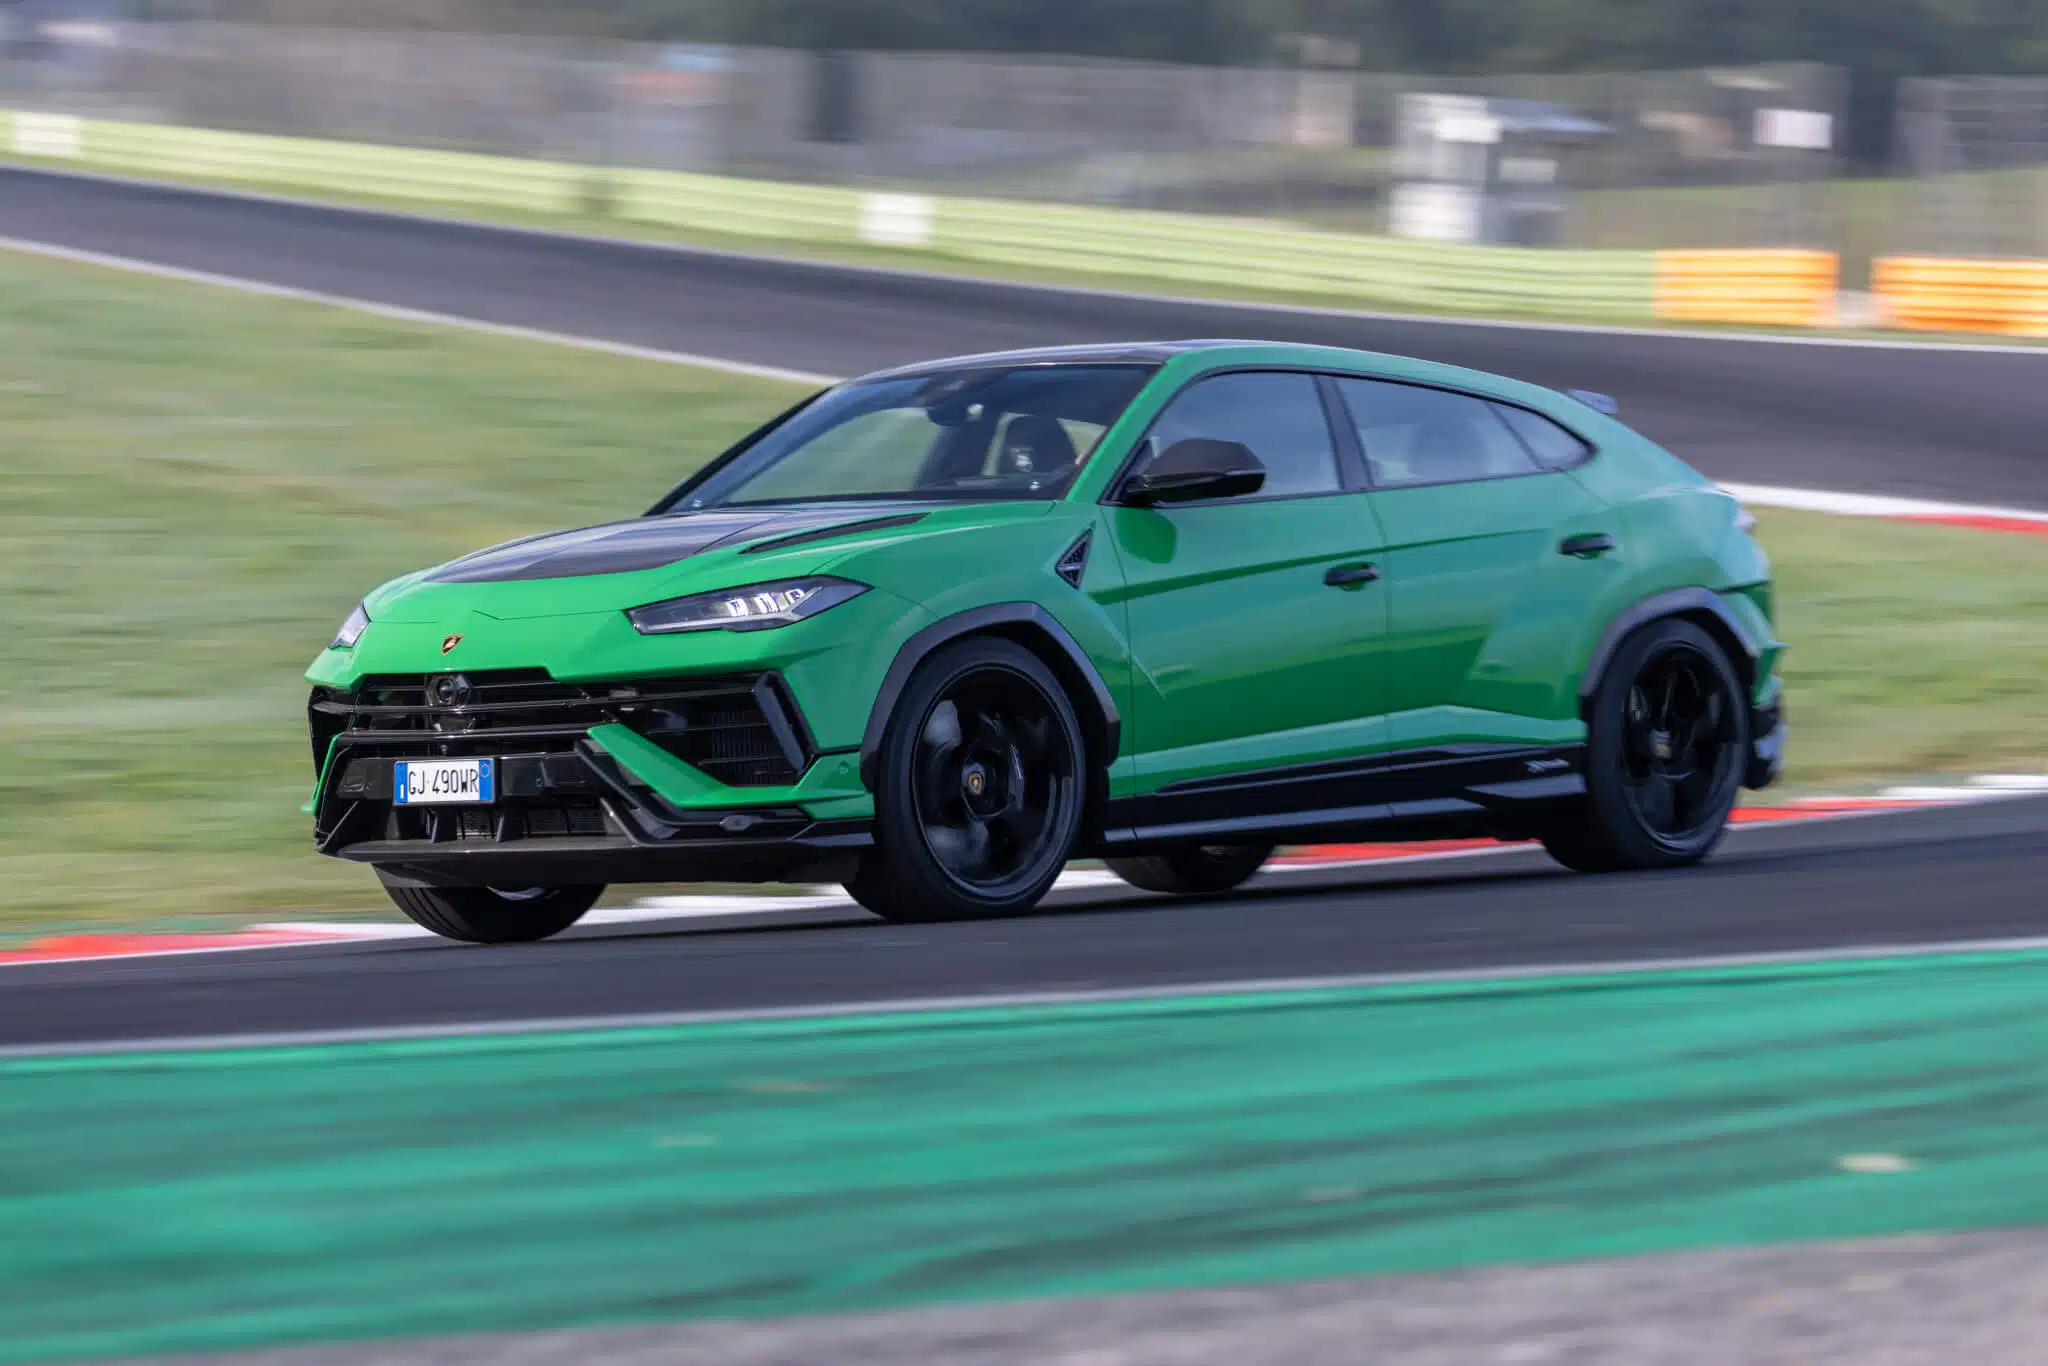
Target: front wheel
point(1667, 736)
point(492, 915)
point(1200, 869)
point(981, 785)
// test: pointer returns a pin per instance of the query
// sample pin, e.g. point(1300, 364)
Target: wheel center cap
point(982, 787)
point(1660, 743)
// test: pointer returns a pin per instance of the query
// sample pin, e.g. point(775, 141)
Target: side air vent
point(1074, 561)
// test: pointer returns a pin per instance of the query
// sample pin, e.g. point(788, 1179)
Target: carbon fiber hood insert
point(645, 542)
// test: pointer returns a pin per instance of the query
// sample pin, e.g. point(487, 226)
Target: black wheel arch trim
point(1018, 621)
point(1676, 602)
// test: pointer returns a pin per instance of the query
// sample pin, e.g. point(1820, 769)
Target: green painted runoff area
point(219, 1200)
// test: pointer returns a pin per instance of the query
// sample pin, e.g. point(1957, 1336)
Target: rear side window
point(1278, 415)
point(1553, 446)
point(1413, 435)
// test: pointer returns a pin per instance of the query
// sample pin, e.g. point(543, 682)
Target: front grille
point(555, 820)
point(742, 731)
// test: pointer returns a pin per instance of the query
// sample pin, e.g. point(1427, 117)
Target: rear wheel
point(1193, 871)
point(1666, 740)
point(492, 915)
point(980, 788)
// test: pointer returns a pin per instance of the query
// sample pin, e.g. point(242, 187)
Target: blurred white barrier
point(47, 135)
point(897, 220)
point(1170, 251)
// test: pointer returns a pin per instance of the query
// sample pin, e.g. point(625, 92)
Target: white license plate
point(444, 782)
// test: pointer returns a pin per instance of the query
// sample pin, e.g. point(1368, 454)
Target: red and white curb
point(1316, 858)
point(1971, 516)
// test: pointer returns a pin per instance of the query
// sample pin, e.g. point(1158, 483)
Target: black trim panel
point(633, 835)
point(785, 721)
point(825, 851)
point(1482, 789)
point(1072, 566)
point(1766, 744)
point(1676, 602)
point(1435, 755)
point(992, 618)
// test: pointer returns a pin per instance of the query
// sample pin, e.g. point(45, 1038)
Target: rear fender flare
point(1697, 605)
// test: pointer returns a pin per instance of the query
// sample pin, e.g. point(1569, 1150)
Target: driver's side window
point(1277, 415)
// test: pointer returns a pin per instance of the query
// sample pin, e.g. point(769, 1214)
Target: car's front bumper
point(1766, 743)
point(604, 825)
point(688, 779)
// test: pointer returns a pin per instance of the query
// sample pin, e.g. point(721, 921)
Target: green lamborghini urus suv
point(934, 632)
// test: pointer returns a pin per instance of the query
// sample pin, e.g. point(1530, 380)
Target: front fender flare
point(1022, 621)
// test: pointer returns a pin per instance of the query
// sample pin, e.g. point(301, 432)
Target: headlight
point(752, 608)
point(351, 630)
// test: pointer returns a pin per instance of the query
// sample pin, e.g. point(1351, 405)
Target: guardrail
point(1144, 248)
point(1784, 288)
point(1951, 294)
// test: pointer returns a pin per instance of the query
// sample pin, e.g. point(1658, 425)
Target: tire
point(485, 915)
point(980, 788)
point(1202, 869)
point(1666, 745)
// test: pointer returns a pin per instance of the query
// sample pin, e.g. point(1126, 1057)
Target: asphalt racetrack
point(1959, 424)
point(1950, 875)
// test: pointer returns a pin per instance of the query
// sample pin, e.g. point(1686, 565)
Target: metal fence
point(1695, 158)
point(1976, 152)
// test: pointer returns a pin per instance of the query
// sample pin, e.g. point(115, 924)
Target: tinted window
point(1413, 435)
point(1279, 416)
point(1553, 446)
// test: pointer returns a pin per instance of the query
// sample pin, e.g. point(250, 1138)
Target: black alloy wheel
point(1679, 757)
point(1667, 736)
point(1193, 870)
point(982, 785)
point(491, 915)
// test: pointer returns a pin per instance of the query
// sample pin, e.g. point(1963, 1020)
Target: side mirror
point(1196, 468)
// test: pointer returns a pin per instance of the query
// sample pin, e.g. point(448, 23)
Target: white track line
point(1948, 795)
point(1193, 992)
point(1870, 504)
point(242, 285)
point(955, 277)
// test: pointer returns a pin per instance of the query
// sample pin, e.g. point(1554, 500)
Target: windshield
point(1000, 432)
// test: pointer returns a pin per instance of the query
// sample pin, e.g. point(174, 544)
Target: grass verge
point(197, 485)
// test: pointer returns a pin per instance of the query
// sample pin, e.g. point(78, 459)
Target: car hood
point(622, 564)
point(654, 542)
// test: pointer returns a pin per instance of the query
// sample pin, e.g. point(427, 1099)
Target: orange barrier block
point(1786, 288)
point(1959, 294)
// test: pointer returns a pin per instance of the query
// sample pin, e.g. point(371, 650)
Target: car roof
point(1238, 351)
point(1146, 352)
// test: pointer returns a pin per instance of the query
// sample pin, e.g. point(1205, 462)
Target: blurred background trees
point(1878, 41)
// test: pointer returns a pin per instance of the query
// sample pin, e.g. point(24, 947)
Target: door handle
point(1585, 547)
point(1351, 575)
